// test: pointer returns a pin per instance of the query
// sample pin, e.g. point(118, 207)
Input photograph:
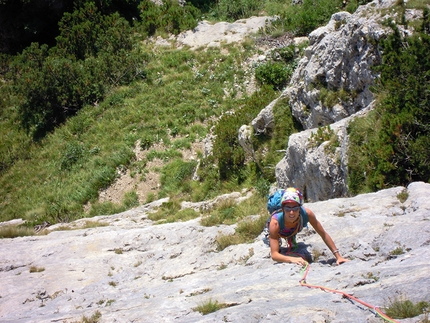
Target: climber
point(291, 220)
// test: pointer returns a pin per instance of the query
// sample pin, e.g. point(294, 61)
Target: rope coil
point(305, 271)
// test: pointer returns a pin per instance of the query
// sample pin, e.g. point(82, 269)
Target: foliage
point(279, 68)
point(93, 318)
point(270, 147)
point(171, 212)
point(227, 150)
point(228, 212)
point(56, 83)
point(303, 18)
point(67, 168)
point(130, 200)
point(351, 6)
point(176, 175)
point(389, 146)
point(330, 98)
point(276, 74)
point(90, 99)
point(170, 17)
point(400, 308)
point(225, 213)
point(10, 231)
point(246, 232)
point(324, 134)
point(361, 162)
point(228, 10)
point(209, 307)
point(403, 196)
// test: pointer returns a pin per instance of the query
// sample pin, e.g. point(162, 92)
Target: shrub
point(79, 31)
point(287, 54)
point(400, 308)
point(276, 74)
point(93, 54)
point(227, 150)
point(72, 154)
point(170, 17)
point(304, 18)
point(234, 10)
point(270, 147)
point(389, 146)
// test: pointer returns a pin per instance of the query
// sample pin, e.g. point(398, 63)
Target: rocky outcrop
point(329, 87)
point(318, 167)
point(332, 81)
point(207, 34)
point(129, 270)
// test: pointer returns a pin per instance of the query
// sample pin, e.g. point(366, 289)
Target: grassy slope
point(183, 91)
point(53, 179)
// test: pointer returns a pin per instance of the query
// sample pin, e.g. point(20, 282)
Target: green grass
point(246, 231)
point(184, 94)
point(209, 306)
point(67, 169)
point(401, 308)
point(10, 231)
point(248, 228)
point(228, 211)
point(171, 212)
point(93, 318)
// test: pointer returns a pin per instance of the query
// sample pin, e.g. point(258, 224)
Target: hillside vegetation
point(74, 111)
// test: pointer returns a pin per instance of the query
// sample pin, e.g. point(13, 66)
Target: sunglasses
point(289, 209)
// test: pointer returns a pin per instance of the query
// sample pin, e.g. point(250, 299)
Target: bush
point(389, 146)
point(72, 154)
point(236, 9)
point(93, 54)
point(227, 150)
point(401, 308)
point(306, 17)
point(270, 147)
point(170, 17)
point(276, 74)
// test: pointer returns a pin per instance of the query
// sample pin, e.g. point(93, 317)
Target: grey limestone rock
point(131, 270)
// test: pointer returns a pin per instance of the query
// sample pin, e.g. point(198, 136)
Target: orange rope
point(375, 308)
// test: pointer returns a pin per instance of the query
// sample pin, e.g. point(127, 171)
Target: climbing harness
point(305, 271)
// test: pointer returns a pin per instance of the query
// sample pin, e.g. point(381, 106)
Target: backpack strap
point(303, 218)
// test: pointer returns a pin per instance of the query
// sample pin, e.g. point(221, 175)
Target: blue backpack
point(274, 201)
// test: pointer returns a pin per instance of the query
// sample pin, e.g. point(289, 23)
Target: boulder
point(338, 63)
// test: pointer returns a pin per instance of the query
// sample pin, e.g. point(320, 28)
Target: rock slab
point(130, 270)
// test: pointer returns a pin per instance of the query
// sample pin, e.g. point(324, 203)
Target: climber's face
point(291, 211)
